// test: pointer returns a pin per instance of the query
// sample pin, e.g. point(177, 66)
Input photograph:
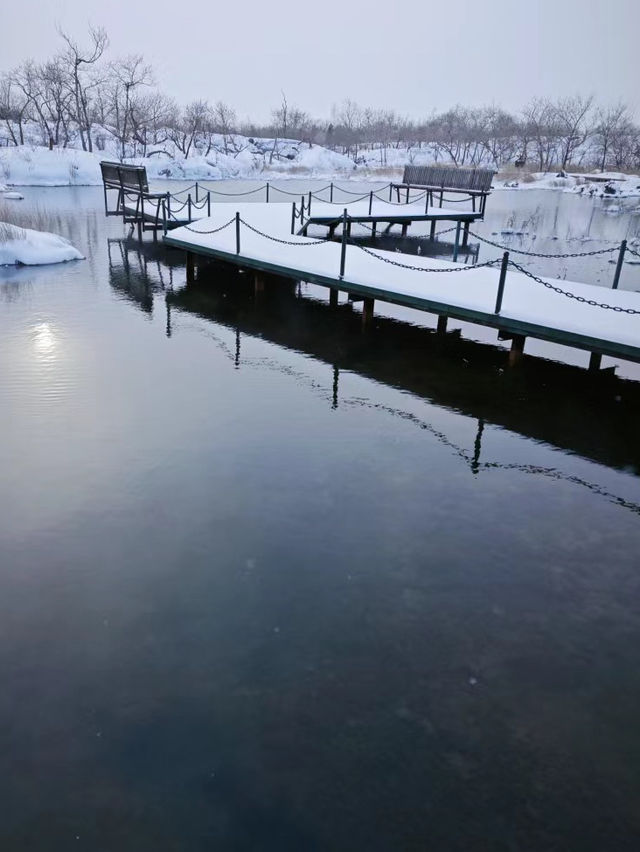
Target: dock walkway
point(258, 236)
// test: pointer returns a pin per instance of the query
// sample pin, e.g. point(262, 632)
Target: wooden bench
point(473, 183)
point(132, 186)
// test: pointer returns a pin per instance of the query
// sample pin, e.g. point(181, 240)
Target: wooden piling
point(367, 311)
point(595, 360)
point(190, 268)
point(442, 325)
point(516, 353)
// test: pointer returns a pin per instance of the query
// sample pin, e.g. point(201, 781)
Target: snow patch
point(23, 246)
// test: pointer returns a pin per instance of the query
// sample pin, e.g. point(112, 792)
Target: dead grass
point(36, 218)
point(9, 232)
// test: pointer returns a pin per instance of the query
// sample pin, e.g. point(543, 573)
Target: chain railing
point(213, 231)
point(542, 254)
point(582, 299)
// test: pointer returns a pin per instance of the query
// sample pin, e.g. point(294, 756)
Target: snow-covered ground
point(241, 157)
point(30, 165)
point(605, 185)
point(23, 246)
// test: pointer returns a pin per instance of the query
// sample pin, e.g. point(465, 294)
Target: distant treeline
point(81, 98)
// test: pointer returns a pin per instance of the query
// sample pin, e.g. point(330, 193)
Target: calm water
point(268, 583)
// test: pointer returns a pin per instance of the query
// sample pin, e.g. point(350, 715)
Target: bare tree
point(126, 76)
point(13, 107)
point(572, 125)
point(224, 120)
point(79, 61)
point(610, 122)
point(194, 121)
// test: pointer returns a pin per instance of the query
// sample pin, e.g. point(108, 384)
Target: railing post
point(501, 282)
point(208, 203)
point(331, 193)
point(616, 277)
point(309, 204)
point(237, 233)
point(189, 207)
point(301, 210)
point(343, 252)
point(456, 244)
point(370, 202)
point(267, 188)
point(197, 198)
point(293, 216)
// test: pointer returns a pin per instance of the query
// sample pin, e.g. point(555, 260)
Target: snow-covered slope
point(29, 165)
point(33, 248)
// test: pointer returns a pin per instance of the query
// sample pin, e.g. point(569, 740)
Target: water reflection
point(558, 404)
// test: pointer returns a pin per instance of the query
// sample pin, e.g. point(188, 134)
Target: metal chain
point(298, 194)
point(235, 194)
point(214, 231)
point(423, 268)
point(307, 242)
point(617, 308)
point(350, 192)
point(633, 251)
point(540, 254)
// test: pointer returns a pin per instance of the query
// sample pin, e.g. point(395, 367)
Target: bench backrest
point(449, 177)
point(118, 176)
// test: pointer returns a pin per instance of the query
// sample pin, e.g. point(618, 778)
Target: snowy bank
point(22, 246)
point(605, 185)
point(28, 165)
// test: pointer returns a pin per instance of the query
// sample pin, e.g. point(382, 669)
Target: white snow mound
point(24, 247)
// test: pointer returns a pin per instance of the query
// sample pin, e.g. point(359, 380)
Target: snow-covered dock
point(258, 236)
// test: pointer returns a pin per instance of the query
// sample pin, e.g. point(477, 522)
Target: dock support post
point(140, 229)
point(404, 229)
point(258, 280)
point(237, 233)
point(456, 245)
point(343, 252)
point(465, 234)
point(367, 311)
point(333, 298)
point(502, 281)
point(190, 268)
point(432, 234)
point(517, 350)
point(616, 277)
point(442, 325)
point(595, 360)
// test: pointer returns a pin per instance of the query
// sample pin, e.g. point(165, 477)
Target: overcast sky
point(413, 56)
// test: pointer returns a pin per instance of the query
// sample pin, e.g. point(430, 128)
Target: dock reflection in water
point(564, 406)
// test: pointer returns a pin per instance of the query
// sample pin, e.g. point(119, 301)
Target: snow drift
point(22, 246)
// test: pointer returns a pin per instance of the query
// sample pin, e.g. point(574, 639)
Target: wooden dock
point(498, 294)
